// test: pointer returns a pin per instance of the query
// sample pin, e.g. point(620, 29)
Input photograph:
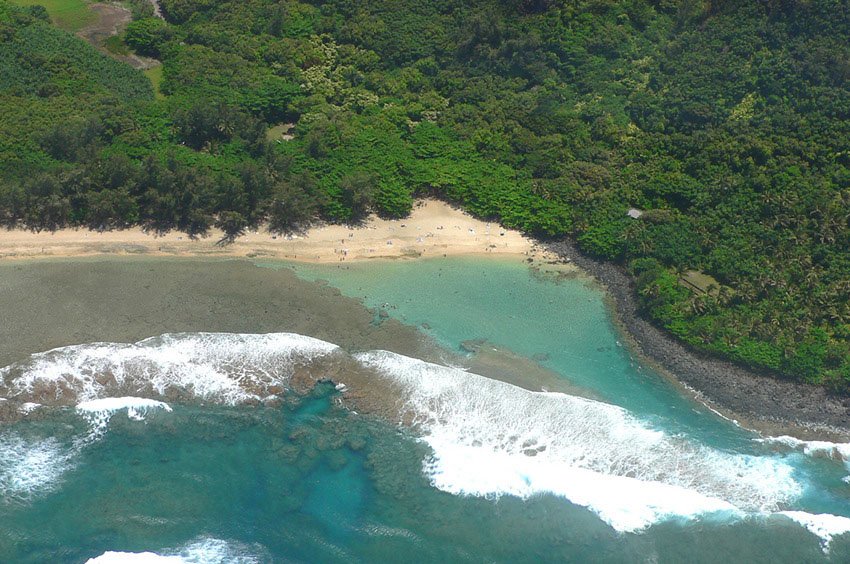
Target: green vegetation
point(726, 122)
point(115, 45)
point(55, 91)
point(146, 34)
point(154, 74)
point(71, 15)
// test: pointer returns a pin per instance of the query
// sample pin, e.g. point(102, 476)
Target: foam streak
point(490, 438)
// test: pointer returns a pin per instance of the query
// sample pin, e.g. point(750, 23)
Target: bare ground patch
point(111, 20)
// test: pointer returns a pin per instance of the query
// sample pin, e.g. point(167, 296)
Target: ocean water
point(202, 447)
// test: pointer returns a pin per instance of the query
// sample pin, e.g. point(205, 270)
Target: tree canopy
point(727, 123)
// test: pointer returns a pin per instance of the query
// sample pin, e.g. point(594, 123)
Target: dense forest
point(722, 125)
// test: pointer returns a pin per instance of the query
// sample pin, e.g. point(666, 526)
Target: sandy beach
point(433, 229)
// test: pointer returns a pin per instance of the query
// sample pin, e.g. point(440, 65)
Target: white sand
point(433, 229)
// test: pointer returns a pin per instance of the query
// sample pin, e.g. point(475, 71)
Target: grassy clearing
point(155, 76)
point(699, 282)
point(70, 15)
point(279, 132)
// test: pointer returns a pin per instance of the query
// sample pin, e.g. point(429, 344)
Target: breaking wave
point(225, 368)
point(98, 412)
point(202, 551)
point(490, 438)
point(33, 467)
point(824, 526)
point(30, 468)
point(222, 367)
point(816, 449)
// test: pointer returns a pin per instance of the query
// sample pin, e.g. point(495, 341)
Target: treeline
point(726, 123)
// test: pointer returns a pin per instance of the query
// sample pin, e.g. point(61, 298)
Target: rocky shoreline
point(756, 400)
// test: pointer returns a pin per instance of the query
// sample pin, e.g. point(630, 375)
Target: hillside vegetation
point(70, 15)
point(726, 123)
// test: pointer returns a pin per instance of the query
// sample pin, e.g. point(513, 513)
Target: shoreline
point(754, 400)
point(433, 229)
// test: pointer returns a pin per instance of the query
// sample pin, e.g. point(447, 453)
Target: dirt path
point(157, 11)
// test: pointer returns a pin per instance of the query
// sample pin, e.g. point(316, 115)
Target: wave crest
point(488, 438)
point(491, 438)
point(202, 551)
point(222, 367)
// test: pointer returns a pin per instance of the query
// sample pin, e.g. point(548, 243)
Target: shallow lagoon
point(559, 320)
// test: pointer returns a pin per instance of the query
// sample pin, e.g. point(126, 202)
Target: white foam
point(223, 367)
point(217, 551)
point(823, 525)
point(28, 407)
point(99, 412)
point(490, 438)
point(839, 452)
point(114, 557)
point(30, 468)
point(625, 503)
point(136, 407)
point(815, 449)
point(202, 551)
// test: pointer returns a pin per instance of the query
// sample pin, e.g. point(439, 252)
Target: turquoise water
point(531, 314)
point(312, 481)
